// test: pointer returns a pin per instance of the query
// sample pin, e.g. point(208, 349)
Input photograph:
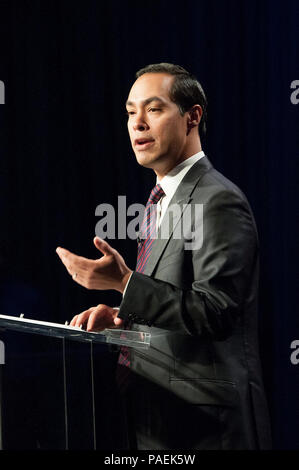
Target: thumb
point(103, 246)
point(118, 321)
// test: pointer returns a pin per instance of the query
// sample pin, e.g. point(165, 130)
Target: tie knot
point(156, 194)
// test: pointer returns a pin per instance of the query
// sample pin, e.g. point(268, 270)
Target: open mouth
point(143, 143)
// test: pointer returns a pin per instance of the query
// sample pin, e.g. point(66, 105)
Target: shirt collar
point(171, 181)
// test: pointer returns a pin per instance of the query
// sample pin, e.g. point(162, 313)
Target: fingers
point(96, 318)
point(77, 266)
point(82, 318)
point(64, 255)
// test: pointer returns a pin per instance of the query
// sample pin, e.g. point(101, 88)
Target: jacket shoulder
point(213, 184)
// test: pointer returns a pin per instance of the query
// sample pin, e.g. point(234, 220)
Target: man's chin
point(145, 160)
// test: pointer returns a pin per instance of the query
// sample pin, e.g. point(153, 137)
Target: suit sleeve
point(221, 279)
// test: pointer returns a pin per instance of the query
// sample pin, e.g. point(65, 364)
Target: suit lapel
point(182, 197)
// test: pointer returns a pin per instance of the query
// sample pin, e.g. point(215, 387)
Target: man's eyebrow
point(147, 101)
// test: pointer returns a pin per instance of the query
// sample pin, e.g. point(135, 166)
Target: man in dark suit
point(194, 289)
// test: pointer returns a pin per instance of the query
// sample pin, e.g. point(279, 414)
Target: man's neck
point(163, 171)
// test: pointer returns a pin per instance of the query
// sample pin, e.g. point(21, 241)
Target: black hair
point(186, 91)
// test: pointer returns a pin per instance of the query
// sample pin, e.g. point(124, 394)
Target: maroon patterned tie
point(147, 235)
point(148, 228)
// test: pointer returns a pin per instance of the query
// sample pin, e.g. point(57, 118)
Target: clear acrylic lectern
point(114, 336)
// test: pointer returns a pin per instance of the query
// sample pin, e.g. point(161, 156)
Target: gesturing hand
point(108, 272)
point(98, 318)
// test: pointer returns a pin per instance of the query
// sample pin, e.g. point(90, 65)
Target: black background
point(67, 68)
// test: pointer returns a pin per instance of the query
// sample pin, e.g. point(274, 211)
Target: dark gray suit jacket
point(200, 305)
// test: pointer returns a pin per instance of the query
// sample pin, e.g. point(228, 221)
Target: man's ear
point(194, 117)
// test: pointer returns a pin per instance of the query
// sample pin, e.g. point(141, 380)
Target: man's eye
point(130, 113)
point(153, 110)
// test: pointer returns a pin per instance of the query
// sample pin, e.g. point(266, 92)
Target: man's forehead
point(151, 85)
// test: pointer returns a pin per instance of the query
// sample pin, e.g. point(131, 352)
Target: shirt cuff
point(127, 284)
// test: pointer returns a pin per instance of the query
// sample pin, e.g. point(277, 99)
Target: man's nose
point(140, 123)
